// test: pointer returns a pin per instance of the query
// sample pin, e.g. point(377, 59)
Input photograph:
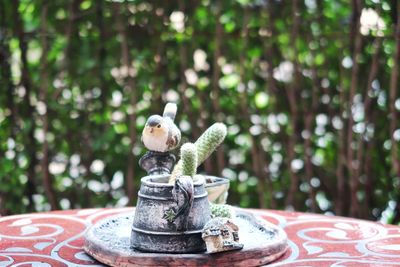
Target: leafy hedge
point(308, 89)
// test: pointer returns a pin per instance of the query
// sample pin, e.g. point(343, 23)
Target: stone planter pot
point(217, 189)
point(170, 218)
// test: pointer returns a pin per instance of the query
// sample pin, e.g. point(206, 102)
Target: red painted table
point(56, 239)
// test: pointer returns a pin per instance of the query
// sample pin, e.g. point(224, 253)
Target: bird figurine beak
point(151, 129)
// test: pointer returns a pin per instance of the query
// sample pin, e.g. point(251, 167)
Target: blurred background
point(307, 88)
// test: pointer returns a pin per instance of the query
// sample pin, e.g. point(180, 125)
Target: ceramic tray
point(108, 242)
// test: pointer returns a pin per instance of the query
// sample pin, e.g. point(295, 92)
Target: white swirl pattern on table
point(318, 240)
point(56, 239)
point(58, 242)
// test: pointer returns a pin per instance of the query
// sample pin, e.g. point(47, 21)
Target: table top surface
point(56, 239)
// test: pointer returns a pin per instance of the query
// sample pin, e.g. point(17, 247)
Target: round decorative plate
point(108, 241)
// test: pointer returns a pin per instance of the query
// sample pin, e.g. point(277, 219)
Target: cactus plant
point(205, 145)
point(210, 140)
point(189, 159)
point(222, 210)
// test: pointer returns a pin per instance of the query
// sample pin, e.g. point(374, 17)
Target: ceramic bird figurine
point(160, 134)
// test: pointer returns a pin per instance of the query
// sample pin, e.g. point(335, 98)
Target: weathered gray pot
point(217, 189)
point(170, 218)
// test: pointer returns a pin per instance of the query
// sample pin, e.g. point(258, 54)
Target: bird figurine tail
point(170, 111)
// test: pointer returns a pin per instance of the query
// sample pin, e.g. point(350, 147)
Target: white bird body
point(160, 133)
point(155, 144)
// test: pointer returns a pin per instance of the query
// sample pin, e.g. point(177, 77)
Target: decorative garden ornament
point(221, 234)
point(170, 218)
point(173, 213)
point(160, 135)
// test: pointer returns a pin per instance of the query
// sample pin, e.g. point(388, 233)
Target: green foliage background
point(310, 103)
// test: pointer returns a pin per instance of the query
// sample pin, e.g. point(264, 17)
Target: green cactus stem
point(205, 145)
point(210, 140)
point(189, 159)
point(222, 210)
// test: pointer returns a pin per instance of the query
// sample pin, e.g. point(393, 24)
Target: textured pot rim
point(147, 181)
point(221, 180)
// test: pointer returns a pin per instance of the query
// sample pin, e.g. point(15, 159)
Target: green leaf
point(229, 81)
point(319, 59)
point(120, 128)
point(261, 100)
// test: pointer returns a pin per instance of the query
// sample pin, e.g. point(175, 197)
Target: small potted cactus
point(173, 213)
point(172, 209)
point(170, 217)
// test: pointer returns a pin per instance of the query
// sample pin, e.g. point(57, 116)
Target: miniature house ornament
point(221, 234)
point(160, 136)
